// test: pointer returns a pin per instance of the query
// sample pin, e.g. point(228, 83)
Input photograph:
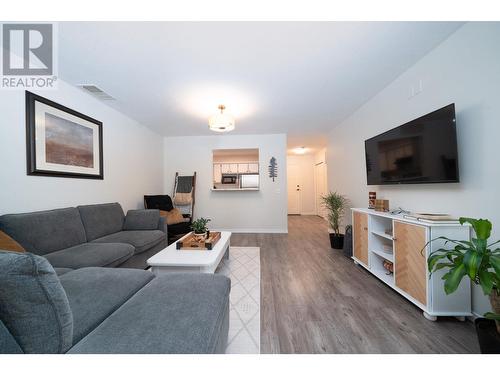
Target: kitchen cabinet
point(229, 168)
point(217, 173)
point(248, 168)
point(243, 168)
point(253, 167)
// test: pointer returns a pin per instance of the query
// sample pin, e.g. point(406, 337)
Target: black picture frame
point(32, 169)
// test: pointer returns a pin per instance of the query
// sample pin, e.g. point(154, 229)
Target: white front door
point(293, 177)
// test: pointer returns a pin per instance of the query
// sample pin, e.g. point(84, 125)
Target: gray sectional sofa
point(97, 235)
point(65, 294)
point(109, 310)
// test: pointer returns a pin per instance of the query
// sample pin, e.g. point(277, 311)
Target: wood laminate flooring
point(315, 300)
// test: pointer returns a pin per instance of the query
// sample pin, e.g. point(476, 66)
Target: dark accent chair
point(164, 203)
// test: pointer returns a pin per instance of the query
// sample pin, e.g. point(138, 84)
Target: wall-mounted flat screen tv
point(421, 151)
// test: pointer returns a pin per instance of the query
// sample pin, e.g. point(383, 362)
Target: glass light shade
point(221, 122)
point(300, 150)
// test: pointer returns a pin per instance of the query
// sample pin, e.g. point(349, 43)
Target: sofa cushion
point(61, 271)
point(91, 255)
point(141, 220)
point(101, 219)
point(181, 313)
point(8, 344)
point(33, 304)
point(45, 231)
point(94, 293)
point(141, 240)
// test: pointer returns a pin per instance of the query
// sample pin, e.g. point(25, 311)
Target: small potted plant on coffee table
point(479, 261)
point(200, 228)
point(336, 204)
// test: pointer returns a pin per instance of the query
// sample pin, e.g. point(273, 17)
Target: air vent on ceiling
point(96, 91)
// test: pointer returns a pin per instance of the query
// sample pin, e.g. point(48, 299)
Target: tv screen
point(419, 152)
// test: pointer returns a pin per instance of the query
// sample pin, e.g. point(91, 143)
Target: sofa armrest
point(142, 220)
point(162, 224)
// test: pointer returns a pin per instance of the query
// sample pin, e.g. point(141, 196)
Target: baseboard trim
point(252, 230)
point(474, 316)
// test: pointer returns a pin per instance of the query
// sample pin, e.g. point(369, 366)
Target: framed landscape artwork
point(62, 142)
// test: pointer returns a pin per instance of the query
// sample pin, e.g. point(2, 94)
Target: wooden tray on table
point(190, 242)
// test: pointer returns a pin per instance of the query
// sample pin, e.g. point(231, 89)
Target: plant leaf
point(493, 243)
point(492, 316)
point(453, 278)
point(443, 265)
point(433, 259)
point(472, 261)
point(495, 263)
point(479, 244)
point(482, 227)
point(486, 281)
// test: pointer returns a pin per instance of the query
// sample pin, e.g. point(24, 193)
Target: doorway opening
point(306, 183)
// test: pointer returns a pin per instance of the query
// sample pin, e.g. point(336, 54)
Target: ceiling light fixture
point(300, 150)
point(221, 122)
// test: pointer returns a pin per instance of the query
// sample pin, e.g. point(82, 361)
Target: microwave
point(229, 179)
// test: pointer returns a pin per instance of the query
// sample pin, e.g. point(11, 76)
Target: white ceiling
point(298, 78)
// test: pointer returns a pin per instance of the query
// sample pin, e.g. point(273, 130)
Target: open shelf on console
point(383, 275)
point(382, 254)
point(383, 235)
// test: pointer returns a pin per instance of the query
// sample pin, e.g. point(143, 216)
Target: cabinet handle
point(365, 228)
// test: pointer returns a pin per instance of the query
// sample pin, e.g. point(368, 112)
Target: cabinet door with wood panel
point(410, 262)
point(360, 232)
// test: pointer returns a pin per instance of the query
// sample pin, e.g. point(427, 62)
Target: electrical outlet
point(411, 92)
point(415, 89)
point(420, 87)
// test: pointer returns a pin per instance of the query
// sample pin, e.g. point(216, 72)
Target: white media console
point(379, 236)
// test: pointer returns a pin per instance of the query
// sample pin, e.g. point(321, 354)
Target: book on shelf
point(432, 218)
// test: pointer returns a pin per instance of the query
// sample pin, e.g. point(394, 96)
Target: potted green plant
point(199, 226)
point(479, 261)
point(336, 204)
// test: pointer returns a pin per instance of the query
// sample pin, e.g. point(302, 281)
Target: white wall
point(132, 158)
point(320, 156)
point(464, 69)
point(237, 211)
point(320, 181)
point(305, 164)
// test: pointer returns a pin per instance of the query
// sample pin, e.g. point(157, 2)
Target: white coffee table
point(206, 261)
